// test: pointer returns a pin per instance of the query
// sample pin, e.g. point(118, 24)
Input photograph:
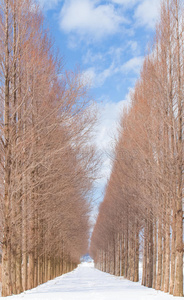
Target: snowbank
point(87, 283)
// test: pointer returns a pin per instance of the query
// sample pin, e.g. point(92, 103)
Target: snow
point(88, 283)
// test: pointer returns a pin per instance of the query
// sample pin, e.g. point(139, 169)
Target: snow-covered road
point(87, 283)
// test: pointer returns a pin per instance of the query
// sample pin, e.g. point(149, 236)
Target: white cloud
point(147, 12)
point(118, 53)
point(88, 77)
point(107, 129)
point(95, 78)
point(129, 3)
point(88, 18)
point(133, 65)
point(106, 73)
point(48, 4)
point(91, 57)
point(109, 112)
point(134, 46)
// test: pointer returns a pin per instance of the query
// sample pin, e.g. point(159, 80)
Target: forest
point(141, 217)
point(47, 164)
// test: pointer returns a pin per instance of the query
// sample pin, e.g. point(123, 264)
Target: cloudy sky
point(108, 40)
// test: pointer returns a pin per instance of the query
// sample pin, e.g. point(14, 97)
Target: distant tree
point(47, 163)
point(146, 182)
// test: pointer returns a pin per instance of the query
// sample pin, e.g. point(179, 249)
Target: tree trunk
point(154, 255)
point(144, 260)
point(31, 270)
point(136, 272)
point(167, 250)
point(18, 270)
point(178, 283)
point(122, 256)
point(163, 261)
point(126, 252)
point(173, 241)
point(159, 255)
point(150, 254)
point(6, 248)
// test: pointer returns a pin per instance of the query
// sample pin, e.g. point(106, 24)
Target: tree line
point(46, 163)
point(141, 216)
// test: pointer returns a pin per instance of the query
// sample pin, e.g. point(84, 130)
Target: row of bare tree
point(46, 161)
point(141, 217)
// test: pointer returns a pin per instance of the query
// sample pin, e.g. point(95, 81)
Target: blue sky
point(108, 40)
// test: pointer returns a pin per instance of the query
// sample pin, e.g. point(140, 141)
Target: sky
point(108, 41)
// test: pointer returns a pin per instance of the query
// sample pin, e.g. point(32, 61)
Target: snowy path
point(87, 283)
